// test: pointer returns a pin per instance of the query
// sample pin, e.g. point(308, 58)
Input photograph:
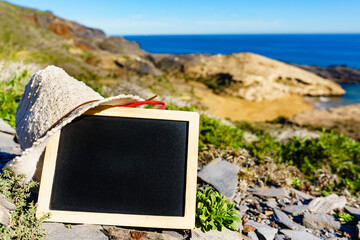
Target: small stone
point(222, 175)
point(128, 234)
point(358, 230)
point(243, 186)
point(243, 208)
point(253, 236)
point(6, 128)
point(7, 143)
point(301, 195)
point(226, 234)
point(237, 199)
point(263, 231)
point(173, 234)
point(271, 192)
point(283, 219)
point(271, 203)
point(281, 237)
point(353, 211)
point(295, 209)
point(320, 221)
point(299, 235)
point(4, 216)
point(248, 228)
point(58, 231)
point(6, 204)
point(327, 204)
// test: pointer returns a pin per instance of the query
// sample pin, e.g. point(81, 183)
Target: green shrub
point(344, 217)
point(213, 212)
point(23, 223)
point(339, 153)
point(296, 182)
point(213, 131)
point(10, 94)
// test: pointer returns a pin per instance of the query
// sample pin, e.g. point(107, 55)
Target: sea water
point(307, 49)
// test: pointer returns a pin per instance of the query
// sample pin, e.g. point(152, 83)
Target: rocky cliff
point(340, 73)
point(255, 78)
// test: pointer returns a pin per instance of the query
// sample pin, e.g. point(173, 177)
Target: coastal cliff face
point(255, 78)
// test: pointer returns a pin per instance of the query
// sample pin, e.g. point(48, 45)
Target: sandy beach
point(238, 109)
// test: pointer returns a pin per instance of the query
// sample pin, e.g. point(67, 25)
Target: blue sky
point(134, 17)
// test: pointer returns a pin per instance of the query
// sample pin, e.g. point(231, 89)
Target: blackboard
point(114, 163)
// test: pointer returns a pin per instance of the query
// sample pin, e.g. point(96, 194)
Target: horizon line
point(205, 34)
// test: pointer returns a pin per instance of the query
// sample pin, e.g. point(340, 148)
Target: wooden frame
point(185, 222)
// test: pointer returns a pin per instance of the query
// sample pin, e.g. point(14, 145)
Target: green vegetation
point(336, 153)
point(21, 39)
point(216, 133)
point(218, 83)
point(296, 182)
point(213, 212)
point(10, 93)
point(344, 217)
point(23, 223)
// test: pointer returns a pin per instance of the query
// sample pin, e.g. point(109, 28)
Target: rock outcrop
point(255, 78)
point(83, 37)
point(344, 119)
point(339, 73)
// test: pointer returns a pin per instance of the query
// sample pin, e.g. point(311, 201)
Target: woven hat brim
point(26, 163)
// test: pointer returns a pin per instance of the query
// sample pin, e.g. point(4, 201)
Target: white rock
point(299, 235)
point(6, 128)
point(226, 234)
point(4, 216)
point(320, 221)
point(327, 204)
point(222, 175)
point(263, 231)
point(353, 211)
point(271, 192)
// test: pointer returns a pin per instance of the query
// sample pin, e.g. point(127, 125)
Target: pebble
point(4, 216)
point(222, 175)
point(301, 195)
point(226, 234)
point(320, 221)
point(299, 235)
point(271, 192)
point(353, 211)
point(58, 231)
point(6, 204)
point(253, 236)
point(295, 209)
point(327, 204)
point(271, 203)
point(281, 237)
point(263, 231)
point(283, 219)
point(6, 128)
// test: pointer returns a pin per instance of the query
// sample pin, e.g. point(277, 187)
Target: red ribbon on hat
point(146, 102)
point(135, 104)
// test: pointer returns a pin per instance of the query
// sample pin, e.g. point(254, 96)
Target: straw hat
point(51, 100)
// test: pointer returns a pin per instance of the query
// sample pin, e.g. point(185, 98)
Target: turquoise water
point(352, 96)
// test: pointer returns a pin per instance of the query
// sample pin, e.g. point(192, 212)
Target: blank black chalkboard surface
point(123, 166)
